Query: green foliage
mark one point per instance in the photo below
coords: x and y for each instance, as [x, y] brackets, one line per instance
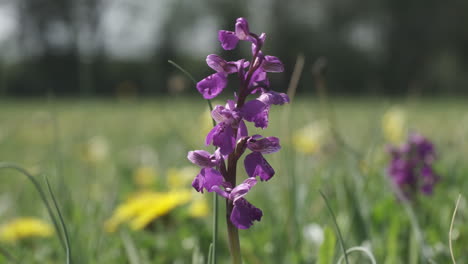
[327, 249]
[160, 132]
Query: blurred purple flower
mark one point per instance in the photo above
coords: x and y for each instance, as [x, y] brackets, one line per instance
[411, 166]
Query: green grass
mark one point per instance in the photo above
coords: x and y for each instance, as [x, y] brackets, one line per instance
[49, 137]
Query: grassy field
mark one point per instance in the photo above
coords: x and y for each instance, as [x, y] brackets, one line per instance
[93, 151]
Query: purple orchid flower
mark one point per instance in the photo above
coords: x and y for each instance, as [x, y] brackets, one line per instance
[204, 159]
[411, 166]
[257, 110]
[207, 179]
[230, 134]
[244, 213]
[213, 85]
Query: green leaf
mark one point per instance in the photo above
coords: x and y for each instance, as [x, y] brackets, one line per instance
[327, 249]
[392, 241]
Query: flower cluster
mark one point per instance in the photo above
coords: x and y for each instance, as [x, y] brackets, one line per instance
[230, 135]
[411, 165]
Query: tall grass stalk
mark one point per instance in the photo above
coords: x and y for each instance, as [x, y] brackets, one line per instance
[62, 222]
[338, 231]
[292, 182]
[451, 229]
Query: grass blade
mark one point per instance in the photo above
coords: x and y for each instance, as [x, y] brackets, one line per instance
[343, 247]
[8, 165]
[130, 248]
[62, 223]
[451, 228]
[210, 254]
[183, 71]
[364, 250]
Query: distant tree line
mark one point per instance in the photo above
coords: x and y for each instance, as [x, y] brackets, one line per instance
[390, 47]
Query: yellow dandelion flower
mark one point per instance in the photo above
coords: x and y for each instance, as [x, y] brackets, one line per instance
[310, 139]
[394, 125]
[145, 176]
[181, 178]
[143, 208]
[199, 207]
[26, 227]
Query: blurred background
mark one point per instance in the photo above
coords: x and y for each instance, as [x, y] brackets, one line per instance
[121, 47]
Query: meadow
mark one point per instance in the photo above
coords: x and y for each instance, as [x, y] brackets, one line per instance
[99, 153]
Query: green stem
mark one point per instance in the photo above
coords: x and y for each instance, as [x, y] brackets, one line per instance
[215, 228]
[233, 234]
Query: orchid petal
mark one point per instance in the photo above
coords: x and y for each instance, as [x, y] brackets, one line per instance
[228, 39]
[256, 165]
[213, 85]
[244, 213]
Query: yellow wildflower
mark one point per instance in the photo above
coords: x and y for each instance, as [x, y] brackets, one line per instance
[310, 139]
[26, 227]
[199, 207]
[143, 208]
[394, 125]
[145, 176]
[181, 178]
[95, 150]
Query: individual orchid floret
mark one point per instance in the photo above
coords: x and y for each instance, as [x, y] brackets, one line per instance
[272, 64]
[213, 85]
[243, 213]
[242, 29]
[204, 159]
[206, 179]
[256, 165]
[273, 98]
[258, 82]
[228, 39]
[265, 145]
[257, 110]
[222, 136]
[228, 114]
[220, 65]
